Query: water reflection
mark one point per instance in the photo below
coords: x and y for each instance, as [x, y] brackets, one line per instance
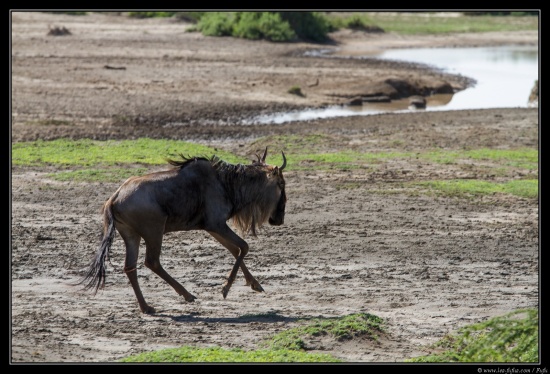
[505, 76]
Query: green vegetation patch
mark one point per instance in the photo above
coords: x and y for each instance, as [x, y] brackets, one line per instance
[98, 175]
[315, 26]
[340, 328]
[217, 354]
[509, 338]
[526, 158]
[262, 25]
[437, 23]
[309, 152]
[296, 90]
[344, 160]
[272, 26]
[527, 188]
[294, 144]
[87, 152]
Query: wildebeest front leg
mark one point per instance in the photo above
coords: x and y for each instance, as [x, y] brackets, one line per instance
[153, 243]
[238, 248]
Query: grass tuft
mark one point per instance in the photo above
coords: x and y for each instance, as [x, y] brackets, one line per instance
[341, 328]
[217, 354]
[509, 338]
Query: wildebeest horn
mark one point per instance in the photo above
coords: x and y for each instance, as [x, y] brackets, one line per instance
[265, 154]
[284, 161]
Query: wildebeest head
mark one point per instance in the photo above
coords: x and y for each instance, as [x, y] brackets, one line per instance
[277, 216]
[275, 190]
[256, 191]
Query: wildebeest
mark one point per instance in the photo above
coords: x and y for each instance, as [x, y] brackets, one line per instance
[197, 194]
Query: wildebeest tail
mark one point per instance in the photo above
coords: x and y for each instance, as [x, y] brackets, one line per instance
[95, 275]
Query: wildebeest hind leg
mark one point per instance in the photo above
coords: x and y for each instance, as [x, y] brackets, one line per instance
[233, 243]
[152, 261]
[131, 241]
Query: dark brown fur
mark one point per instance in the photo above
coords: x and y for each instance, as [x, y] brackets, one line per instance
[198, 194]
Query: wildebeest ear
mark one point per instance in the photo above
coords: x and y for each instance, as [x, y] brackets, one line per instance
[275, 170]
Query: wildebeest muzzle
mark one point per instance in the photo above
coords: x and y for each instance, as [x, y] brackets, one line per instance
[278, 216]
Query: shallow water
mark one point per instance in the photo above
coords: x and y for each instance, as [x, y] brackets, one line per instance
[505, 76]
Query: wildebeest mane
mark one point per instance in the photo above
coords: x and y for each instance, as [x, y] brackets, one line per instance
[244, 185]
[185, 160]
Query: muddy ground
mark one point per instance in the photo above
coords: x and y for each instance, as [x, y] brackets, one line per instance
[353, 241]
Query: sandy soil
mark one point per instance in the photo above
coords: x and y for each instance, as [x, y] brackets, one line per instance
[353, 241]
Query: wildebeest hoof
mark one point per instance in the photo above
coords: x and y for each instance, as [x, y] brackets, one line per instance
[225, 291]
[256, 287]
[148, 310]
[254, 284]
[190, 298]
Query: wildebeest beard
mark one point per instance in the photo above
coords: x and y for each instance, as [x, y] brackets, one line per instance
[245, 186]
